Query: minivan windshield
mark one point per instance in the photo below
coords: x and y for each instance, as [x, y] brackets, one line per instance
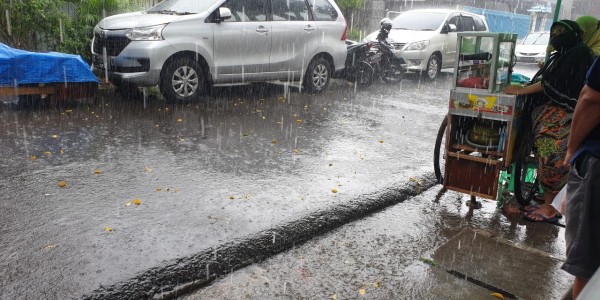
[424, 21]
[181, 7]
[538, 38]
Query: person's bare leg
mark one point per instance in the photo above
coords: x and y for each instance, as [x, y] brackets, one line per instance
[578, 285]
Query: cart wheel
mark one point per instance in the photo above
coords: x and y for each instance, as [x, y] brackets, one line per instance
[439, 161]
[526, 180]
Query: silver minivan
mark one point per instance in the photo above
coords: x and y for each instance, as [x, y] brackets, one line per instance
[425, 39]
[186, 46]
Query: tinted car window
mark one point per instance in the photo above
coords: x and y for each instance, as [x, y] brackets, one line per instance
[479, 24]
[426, 21]
[323, 10]
[246, 11]
[467, 23]
[285, 10]
[455, 20]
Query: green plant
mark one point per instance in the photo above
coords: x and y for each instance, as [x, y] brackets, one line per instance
[31, 24]
[56, 25]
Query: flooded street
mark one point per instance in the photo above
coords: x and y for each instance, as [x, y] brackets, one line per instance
[102, 198]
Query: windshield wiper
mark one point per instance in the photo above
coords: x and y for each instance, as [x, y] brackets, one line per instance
[170, 12]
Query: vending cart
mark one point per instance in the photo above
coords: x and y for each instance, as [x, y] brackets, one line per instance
[478, 137]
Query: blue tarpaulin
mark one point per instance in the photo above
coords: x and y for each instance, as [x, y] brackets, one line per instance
[500, 21]
[18, 67]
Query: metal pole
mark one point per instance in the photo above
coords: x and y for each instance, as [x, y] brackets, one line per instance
[557, 11]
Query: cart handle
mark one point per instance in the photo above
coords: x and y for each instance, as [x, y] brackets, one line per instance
[476, 56]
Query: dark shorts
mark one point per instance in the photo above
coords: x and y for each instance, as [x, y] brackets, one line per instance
[582, 231]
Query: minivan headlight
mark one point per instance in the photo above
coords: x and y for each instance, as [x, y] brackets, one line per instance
[150, 33]
[420, 45]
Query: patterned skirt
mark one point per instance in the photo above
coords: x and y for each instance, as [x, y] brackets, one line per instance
[551, 126]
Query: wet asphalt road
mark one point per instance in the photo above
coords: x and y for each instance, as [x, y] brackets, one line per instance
[239, 162]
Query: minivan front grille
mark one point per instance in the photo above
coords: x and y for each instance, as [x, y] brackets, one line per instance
[114, 44]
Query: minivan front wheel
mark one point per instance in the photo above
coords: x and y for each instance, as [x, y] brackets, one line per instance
[317, 75]
[182, 80]
[433, 67]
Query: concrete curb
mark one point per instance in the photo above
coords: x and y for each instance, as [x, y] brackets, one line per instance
[182, 275]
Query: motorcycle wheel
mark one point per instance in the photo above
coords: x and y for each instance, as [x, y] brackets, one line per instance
[392, 73]
[364, 74]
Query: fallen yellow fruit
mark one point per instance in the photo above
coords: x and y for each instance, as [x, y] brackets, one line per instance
[498, 295]
[362, 291]
[299, 121]
[98, 171]
[47, 152]
[62, 183]
[137, 201]
[231, 197]
[274, 141]
[33, 157]
[334, 191]
[108, 229]
[54, 136]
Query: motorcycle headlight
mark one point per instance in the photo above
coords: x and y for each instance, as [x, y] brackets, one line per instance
[420, 45]
[150, 33]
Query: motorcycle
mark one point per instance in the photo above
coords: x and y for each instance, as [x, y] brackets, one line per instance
[382, 57]
[358, 68]
[366, 60]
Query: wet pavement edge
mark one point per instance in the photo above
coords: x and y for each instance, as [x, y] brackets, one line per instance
[182, 275]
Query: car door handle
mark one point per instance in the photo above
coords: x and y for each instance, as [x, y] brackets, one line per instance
[262, 29]
[309, 28]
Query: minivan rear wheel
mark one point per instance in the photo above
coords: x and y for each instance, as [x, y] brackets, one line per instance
[434, 66]
[318, 75]
[182, 80]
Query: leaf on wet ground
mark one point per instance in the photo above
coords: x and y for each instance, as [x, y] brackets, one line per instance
[429, 261]
[148, 169]
[497, 295]
[381, 141]
[50, 246]
[273, 141]
[33, 157]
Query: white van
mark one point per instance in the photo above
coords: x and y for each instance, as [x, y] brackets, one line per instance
[425, 39]
[186, 46]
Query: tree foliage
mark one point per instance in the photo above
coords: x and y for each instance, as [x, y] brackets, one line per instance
[55, 25]
[349, 6]
[30, 24]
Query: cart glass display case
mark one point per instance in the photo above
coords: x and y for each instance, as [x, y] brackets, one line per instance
[482, 121]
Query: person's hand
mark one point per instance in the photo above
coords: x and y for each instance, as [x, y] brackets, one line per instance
[513, 89]
[568, 156]
[540, 64]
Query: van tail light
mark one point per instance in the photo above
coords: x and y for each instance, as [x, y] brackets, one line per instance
[345, 31]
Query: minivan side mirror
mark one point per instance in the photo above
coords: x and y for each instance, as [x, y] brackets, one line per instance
[451, 28]
[224, 14]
